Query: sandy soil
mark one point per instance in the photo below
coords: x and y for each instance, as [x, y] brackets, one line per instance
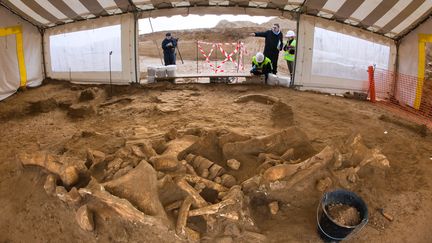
[28, 214]
[343, 214]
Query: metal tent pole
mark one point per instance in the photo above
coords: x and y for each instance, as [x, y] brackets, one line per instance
[110, 79]
[135, 47]
[296, 50]
[157, 47]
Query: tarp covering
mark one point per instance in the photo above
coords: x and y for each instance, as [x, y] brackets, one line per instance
[409, 49]
[345, 56]
[70, 53]
[80, 52]
[412, 63]
[20, 54]
[338, 62]
[392, 18]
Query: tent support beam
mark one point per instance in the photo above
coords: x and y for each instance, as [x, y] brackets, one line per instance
[42, 32]
[21, 17]
[135, 47]
[134, 7]
[292, 82]
[396, 68]
[400, 37]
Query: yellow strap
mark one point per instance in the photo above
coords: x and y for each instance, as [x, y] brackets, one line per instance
[21, 59]
[422, 39]
[17, 31]
[10, 30]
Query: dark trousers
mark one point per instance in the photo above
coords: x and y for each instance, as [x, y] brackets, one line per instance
[273, 56]
[169, 58]
[291, 69]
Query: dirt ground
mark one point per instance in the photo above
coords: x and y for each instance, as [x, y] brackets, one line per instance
[28, 214]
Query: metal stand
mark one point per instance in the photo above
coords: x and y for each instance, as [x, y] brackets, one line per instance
[110, 78]
[178, 50]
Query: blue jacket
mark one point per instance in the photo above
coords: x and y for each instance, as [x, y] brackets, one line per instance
[169, 49]
[271, 42]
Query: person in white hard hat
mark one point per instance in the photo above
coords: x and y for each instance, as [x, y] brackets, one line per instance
[261, 65]
[289, 49]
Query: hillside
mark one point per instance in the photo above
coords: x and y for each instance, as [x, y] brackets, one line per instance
[224, 30]
[235, 24]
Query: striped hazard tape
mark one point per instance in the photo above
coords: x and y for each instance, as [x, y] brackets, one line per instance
[239, 48]
[207, 57]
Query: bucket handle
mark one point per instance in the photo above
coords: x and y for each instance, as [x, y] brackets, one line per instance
[355, 231]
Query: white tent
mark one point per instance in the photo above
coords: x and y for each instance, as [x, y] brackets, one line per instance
[84, 40]
[20, 54]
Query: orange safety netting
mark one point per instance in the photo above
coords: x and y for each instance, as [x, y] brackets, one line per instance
[406, 95]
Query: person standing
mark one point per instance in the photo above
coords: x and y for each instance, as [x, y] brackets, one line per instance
[261, 65]
[289, 52]
[273, 44]
[169, 45]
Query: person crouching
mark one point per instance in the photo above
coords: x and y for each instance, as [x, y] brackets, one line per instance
[261, 65]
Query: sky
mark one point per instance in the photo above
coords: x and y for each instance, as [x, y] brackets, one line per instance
[178, 22]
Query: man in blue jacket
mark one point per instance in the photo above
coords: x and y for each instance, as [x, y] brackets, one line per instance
[273, 44]
[169, 45]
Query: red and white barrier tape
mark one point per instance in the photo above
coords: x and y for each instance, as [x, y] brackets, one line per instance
[228, 57]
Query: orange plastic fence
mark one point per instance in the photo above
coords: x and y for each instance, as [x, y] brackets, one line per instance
[372, 84]
[398, 92]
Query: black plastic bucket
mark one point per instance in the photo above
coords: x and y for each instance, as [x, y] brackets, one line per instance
[328, 229]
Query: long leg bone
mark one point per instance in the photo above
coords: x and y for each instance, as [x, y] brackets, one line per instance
[279, 172]
[317, 162]
[197, 200]
[68, 174]
[183, 215]
[212, 209]
[260, 98]
[122, 206]
[173, 205]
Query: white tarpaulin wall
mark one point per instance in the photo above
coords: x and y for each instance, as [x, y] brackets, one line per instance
[344, 56]
[79, 51]
[412, 65]
[334, 57]
[409, 49]
[69, 53]
[19, 66]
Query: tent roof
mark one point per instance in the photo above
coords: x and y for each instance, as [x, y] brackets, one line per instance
[392, 18]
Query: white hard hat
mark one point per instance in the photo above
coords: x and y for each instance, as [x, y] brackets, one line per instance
[290, 33]
[259, 57]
